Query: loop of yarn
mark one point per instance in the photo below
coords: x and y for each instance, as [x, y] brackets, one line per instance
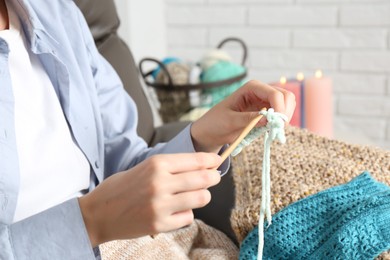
[274, 129]
[275, 126]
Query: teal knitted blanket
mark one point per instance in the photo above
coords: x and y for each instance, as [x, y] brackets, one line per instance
[350, 221]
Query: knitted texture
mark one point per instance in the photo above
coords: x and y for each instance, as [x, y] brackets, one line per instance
[304, 165]
[275, 128]
[197, 241]
[350, 221]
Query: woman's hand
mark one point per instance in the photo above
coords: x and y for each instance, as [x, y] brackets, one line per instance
[155, 196]
[225, 121]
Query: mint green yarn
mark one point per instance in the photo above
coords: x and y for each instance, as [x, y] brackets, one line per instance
[274, 129]
[221, 70]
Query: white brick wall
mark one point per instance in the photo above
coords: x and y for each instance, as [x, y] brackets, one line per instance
[341, 38]
[365, 14]
[254, 37]
[348, 39]
[388, 130]
[293, 15]
[364, 106]
[366, 61]
[286, 59]
[388, 85]
[361, 130]
[347, 84]
[206, 15]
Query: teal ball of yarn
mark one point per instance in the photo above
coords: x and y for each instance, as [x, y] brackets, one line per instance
[221, 70]
[213, 57]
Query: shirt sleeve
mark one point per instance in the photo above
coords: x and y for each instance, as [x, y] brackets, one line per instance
[123, 148]
[57, 233]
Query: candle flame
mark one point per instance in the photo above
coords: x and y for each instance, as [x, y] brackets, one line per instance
[318, 74]
[283, 80]
[300, 76]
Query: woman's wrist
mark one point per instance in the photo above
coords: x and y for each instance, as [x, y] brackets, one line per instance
[88, 221]
[201, 141]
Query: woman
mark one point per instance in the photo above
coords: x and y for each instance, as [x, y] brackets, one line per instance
[67, 125]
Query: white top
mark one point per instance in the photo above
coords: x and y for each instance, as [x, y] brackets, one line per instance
[52, 168]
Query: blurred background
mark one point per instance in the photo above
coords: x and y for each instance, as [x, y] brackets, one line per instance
[348, 40]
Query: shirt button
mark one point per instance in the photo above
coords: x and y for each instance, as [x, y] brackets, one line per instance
[97, 164]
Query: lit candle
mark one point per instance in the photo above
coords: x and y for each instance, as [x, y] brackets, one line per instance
[318, 105]
[294, 87]
[300, 77]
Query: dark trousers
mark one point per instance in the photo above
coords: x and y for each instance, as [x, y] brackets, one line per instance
[217, 212]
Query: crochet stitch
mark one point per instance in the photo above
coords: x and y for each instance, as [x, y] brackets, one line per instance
[349, 221]
[273, 130]
[275, 126]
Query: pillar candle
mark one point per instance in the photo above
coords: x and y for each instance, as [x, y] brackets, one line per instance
[293, 86]
[319, 105]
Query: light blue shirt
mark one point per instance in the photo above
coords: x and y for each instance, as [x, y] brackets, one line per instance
[101, 116]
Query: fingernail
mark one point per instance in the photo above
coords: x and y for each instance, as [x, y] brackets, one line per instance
[219, 172]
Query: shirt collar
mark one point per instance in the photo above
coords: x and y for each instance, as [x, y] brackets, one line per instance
[40, 40]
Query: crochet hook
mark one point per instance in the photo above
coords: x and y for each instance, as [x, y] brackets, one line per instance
[244, 133]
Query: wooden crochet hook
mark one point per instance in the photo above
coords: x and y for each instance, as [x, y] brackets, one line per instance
[244, 133]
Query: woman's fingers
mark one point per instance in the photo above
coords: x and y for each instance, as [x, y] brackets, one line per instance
[177, 163]
[181, 219]
[190, 200]
[280, 99]
[257, 95]
[194, 180]
[289, 101]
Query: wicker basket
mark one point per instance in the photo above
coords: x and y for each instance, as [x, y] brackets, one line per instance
[175, 98]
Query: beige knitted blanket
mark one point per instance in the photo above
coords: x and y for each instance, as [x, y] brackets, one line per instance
[197, 241]
[305, 165]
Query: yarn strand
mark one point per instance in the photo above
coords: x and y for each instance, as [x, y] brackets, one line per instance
[273, 130]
